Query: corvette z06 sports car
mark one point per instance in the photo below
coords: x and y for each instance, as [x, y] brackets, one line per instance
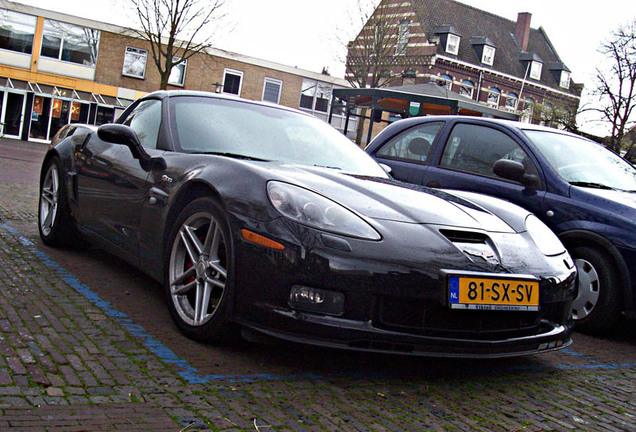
[265, 219]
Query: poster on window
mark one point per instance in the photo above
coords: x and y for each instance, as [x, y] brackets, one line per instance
[37, 104]
[135, 62]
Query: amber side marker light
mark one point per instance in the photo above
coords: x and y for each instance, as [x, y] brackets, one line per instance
[260, 240]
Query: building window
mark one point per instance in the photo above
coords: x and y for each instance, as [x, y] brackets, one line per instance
[467, 88]
[315, 95]
[511, 101]
[135, 62]
[403, 37]
[307, 94]
[271, 90]
[528, 110]
[565, 79]
[178, 72]
[445, 81]
[452, 44]
[493, 96]
[16, 31]
[535, 70]
[232, 81]
[488, 55]
[71, 43]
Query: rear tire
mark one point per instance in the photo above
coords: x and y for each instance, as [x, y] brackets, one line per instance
[200, 272]
[55, 222]
[597, 306]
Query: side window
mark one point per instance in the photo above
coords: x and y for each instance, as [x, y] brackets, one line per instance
[145, 120]
[475, 149]
[413, 144]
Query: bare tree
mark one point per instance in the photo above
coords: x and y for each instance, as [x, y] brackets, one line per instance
[617, 87]
[379, 46]
[176, 30]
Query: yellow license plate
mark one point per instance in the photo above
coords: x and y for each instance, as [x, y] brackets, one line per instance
[477, 292]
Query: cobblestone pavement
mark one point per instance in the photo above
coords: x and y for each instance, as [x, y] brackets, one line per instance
[70, 361]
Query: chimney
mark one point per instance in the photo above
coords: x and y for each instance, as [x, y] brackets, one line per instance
[522, 30]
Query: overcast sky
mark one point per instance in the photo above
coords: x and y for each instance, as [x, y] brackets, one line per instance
[309, 33]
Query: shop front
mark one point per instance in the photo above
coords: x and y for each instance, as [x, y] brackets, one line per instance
[36, 112]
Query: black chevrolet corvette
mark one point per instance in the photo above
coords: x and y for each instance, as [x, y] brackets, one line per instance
[262, 218]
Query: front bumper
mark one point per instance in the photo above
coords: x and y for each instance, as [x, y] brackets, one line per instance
[394, 296]
[331, 332]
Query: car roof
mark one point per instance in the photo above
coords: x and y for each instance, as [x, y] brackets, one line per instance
[508, 123]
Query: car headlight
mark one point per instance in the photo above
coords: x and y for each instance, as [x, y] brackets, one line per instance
[311, 209]
[547, 242]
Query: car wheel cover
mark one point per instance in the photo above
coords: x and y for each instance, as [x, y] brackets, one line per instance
[198, 269]
[49, 195]
[589, 289]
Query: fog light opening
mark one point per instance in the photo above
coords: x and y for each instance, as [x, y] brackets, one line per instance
[308, 299]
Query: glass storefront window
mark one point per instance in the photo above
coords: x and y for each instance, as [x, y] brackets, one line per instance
[16, 31]
[40, 118]
[104, 115]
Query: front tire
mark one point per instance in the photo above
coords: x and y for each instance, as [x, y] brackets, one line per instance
[55, 222]
[597, 306]
[200, 271]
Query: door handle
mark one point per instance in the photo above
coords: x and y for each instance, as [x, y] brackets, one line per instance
[433, 184]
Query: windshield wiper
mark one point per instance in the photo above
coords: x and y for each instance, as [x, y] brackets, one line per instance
[590, 185]
[234, 155]
[327, 166]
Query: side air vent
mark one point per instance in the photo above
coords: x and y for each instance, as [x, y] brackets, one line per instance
[464, 236]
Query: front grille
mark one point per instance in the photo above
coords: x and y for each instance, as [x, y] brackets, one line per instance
[431, 318]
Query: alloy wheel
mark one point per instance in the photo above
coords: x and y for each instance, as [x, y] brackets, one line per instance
[198, 269]
[49, 196]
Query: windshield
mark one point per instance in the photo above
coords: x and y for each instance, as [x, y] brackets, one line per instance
[247, 130]
[582, 162]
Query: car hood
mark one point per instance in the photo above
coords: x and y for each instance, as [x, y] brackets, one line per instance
[620, 199]
[385, 199]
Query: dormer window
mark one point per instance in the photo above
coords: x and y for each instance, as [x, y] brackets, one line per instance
[561, 74]
[533, 65]
[488, 56]
[449, 38]
[565, 79]
[452, 44]
[485, 50]
[535, 70]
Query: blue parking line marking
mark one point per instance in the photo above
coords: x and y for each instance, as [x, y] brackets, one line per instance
[193, 375]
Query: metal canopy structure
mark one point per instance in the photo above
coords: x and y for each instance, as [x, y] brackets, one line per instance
[409, 101]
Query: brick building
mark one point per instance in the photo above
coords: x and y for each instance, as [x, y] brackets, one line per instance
[502, 64]
[57, 69]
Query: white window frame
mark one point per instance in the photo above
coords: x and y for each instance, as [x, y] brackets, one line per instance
[512, 101]
[492, 94]
[564, 82]
[488, 55]
[535, 70]
[445, 81]
[452, 44]
[272, 81]
[469, 88]
[183, 65]
[130, 55]
[233, 72]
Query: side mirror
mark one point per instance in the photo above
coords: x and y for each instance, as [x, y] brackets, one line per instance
[515, 171]
[121, 134]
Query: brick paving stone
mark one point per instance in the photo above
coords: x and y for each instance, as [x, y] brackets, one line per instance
[67, 365]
